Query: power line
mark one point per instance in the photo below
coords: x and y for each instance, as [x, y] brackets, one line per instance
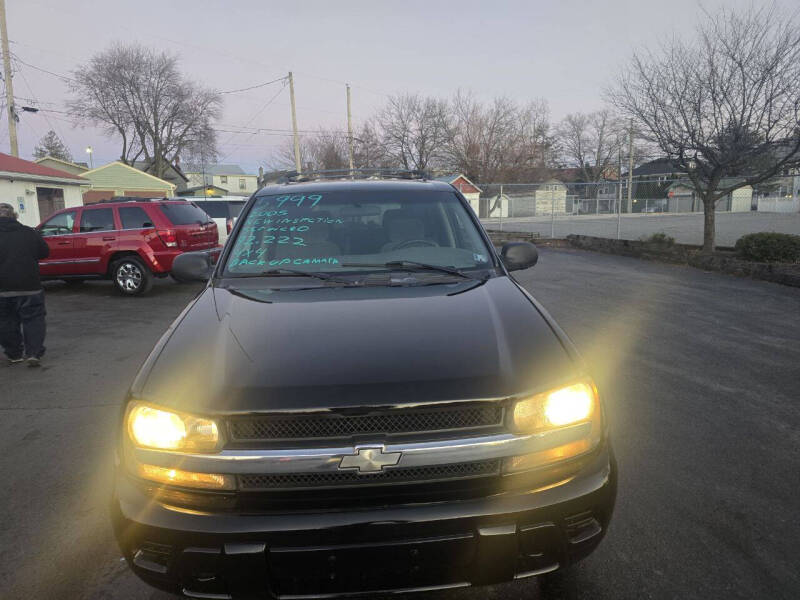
[254, 117]
[30, 89]
[253, 87]
[64, 77]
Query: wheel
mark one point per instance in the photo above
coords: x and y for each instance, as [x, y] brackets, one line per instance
[131, 277]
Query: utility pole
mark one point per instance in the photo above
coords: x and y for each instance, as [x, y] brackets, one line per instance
[619, 189]
[630, 167]
[350, 130]
[298, 167]
[12, 117]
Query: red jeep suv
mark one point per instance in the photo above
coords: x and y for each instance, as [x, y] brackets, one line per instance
[129, 241]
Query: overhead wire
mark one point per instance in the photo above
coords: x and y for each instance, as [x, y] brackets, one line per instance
[254, 117]
[30, 89]
[254, 87]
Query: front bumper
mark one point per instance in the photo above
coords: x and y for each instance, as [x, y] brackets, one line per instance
[327, 553]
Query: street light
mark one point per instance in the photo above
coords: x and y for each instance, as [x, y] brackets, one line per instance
[89, 152]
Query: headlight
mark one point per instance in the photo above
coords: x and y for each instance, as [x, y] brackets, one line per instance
[151, 427]
[560, 407]
[574, 404]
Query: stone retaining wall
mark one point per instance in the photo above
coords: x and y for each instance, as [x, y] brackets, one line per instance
[724, 260]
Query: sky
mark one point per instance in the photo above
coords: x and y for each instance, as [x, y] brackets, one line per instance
[564, 51]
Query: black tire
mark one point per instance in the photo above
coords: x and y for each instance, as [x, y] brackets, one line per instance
[131, 277]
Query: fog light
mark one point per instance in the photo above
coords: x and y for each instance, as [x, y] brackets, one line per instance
[208, 481]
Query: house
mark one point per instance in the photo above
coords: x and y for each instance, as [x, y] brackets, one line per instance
[76, 168]
[36, 191]
[119, 179]
[469, 190]
[172, 173]
[661, 185]
[228, 177]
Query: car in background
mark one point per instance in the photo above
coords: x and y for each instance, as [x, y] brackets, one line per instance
[224, 210]
[128, 240]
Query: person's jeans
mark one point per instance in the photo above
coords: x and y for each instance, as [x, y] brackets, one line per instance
[22, 326]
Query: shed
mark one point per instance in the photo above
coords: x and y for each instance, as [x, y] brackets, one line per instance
[119, 179]
[469, 190]
[36, 191]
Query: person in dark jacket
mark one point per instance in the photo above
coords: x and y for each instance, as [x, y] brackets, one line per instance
[22, 312]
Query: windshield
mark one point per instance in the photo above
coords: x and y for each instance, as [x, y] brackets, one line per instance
[343, 230]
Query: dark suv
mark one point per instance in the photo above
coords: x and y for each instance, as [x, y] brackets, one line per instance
[361, 400]
[129, 241]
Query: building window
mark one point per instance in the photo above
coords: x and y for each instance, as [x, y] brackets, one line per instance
[242, 184]
[223, 179]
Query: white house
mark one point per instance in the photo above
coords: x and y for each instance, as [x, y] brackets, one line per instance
[230, 178]
[37, 191]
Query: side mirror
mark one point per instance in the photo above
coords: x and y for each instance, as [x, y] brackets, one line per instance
[192, 266]
[519, 255]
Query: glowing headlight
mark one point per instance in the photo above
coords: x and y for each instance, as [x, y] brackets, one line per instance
[151, 427]
[563, 406]
[574, 404]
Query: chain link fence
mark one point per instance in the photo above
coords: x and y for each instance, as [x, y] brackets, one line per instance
[554, 208]
[547, 198]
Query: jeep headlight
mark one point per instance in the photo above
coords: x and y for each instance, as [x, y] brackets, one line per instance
[162, 429]
[574, 408]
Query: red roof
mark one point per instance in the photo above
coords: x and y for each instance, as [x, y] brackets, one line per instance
[12, 164]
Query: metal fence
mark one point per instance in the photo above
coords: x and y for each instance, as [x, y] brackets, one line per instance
[611, 209]
[557, 198]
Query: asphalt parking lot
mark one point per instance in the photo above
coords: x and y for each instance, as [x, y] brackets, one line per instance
[700, 373]
[685, 228]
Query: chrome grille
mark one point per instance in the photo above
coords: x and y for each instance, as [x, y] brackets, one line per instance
[294, 481]
[420, 420]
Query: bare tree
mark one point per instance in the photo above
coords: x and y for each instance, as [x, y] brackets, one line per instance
[324, 150]
[370, 151]
[725, 106]
[592, 142]
[413, 130]
[140, 95]
[327, 150]
[51, 145]
[500, 141]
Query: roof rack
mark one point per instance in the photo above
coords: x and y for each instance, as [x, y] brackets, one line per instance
[119, 199]
[410, 174]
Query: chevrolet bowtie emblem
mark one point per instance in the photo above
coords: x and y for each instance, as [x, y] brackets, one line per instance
[370, 459]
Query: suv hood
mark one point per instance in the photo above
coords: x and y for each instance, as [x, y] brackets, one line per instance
[347, 347]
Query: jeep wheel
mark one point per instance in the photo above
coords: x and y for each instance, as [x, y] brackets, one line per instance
[131, 277]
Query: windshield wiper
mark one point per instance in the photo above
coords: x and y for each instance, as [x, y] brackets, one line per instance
[418, 266]
[314, 274]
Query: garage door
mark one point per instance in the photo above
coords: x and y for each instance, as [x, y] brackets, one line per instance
[93, 196]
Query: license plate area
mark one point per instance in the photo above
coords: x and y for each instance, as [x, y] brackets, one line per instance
[409, 564]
